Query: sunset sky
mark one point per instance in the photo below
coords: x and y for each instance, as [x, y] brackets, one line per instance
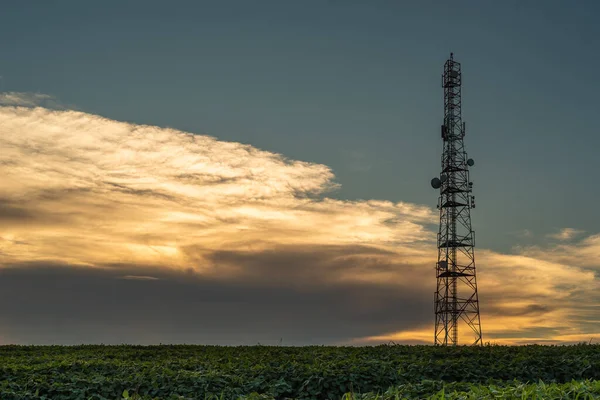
[243, 172]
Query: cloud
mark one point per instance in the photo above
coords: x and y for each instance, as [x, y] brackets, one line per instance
[31, 100]
[584, 254]
[140, 277]
[177, 237]
[355, 161]
[525, 299]
[524, 234]
[566, 234]
[194, 308]
[113, 191]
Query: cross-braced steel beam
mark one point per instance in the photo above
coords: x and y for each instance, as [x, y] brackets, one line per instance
[456, 296]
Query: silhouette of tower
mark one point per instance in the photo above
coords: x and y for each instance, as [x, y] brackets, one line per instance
[456, 300]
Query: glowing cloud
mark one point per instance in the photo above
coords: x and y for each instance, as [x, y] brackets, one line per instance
[89, 192]
[566, 234]
[95, 191]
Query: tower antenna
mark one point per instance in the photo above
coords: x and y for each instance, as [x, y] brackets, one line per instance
[456, 299]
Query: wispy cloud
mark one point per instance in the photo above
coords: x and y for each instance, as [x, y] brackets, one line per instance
[140, 277]
[32, 100]
[566, 234]
[524, 233]
[356, 161]
[151, 203]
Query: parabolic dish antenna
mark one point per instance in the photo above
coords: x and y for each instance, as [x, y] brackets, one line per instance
[470, 162]
[436, 183]
[444, 178]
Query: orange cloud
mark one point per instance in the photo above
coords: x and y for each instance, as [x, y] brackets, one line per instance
[96, 191]
[566, 234]
[88, 191]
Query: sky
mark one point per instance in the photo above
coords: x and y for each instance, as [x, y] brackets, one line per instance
[233, 172]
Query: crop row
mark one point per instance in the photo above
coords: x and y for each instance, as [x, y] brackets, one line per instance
[584, 390]
[106, 372]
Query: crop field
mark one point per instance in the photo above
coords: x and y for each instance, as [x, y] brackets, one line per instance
[266, 372]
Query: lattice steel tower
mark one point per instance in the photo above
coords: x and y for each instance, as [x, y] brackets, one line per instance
[456, 297]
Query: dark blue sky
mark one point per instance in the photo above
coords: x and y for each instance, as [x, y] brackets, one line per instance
[351, 84]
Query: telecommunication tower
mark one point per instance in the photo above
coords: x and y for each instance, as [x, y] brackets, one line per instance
[456, 300]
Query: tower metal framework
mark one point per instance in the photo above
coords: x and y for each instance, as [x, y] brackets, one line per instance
[456, 296]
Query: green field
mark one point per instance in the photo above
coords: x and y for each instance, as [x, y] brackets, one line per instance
[265, 372]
